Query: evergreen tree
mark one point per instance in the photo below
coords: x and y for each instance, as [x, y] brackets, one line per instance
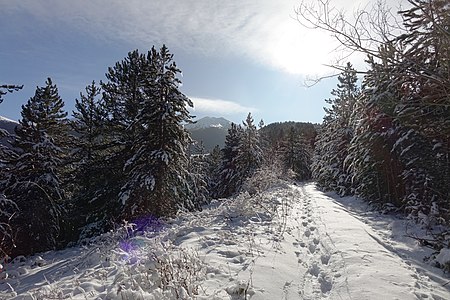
[92, 202]
[422, 112]
[34, 183]
[400, 154]
[123, 96]
[8, 208]
[329, 167]
[296, 155]
[213, 163]
[157, 170]
[249, 153]
[375, 169]
[229, 182]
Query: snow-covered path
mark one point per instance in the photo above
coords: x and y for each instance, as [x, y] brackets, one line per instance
[359, 262]
[292, 242]
[320, 249]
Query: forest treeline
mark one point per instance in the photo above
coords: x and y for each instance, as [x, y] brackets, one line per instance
[123, 155]
[388, 141]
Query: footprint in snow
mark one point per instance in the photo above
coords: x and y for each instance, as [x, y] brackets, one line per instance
[325, 259]
[314, 270]
[326, 284]
[228, 253]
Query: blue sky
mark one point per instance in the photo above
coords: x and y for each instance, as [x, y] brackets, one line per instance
[236, 56]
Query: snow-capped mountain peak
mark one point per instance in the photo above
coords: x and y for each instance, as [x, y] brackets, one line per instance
[8, 124]
[208, 122]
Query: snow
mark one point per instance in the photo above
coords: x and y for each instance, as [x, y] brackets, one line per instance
[290, 242]
[444, 258]
[7, 120]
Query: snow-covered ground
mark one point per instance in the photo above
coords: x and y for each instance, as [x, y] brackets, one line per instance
[291, 242]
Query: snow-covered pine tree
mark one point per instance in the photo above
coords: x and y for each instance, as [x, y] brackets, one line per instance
[249, 153]
[229, 180]
[400, 152]
[7, 207]
[213, 163]
[296, 154]
[374, 167]
[423, 111]
[93, 204]
[335, 135]
[34, 183]
[157, 170]
[122, 98]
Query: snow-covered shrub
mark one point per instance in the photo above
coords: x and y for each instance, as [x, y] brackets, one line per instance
[264, 178]
[7, 207]
[443, 259]
[180, 271]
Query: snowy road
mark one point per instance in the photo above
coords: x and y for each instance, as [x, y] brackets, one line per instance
[347, 259]
[320, 249]
[292, 242]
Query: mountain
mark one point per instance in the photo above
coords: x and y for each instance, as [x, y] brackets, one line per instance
[210, 122]
[210, 131]
[8, 124]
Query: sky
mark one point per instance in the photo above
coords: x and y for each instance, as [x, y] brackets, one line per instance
[236, 56]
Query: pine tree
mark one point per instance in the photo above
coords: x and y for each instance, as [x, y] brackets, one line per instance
[157, 170]
[93, 200]
[8, 207]
[249, 157]
[213, 164]
[229, 182]
[329, 167]
[423, 110]
[400, 153]
[34, 183]
[375, 169]
[296, 155]
[123, 96]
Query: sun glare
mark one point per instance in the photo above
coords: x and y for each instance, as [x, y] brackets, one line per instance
[299, 51]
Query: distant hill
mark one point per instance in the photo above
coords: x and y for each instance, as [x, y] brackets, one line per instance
[210, 131]
[275, 132]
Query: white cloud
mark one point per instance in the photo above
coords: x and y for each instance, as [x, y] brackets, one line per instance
[219, 107]
[261, 30]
